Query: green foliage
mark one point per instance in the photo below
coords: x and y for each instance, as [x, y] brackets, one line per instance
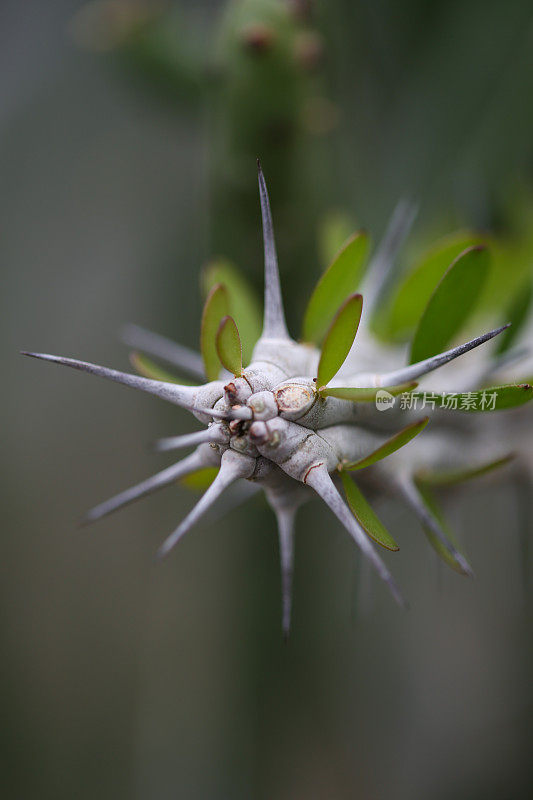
[451, 303]
[215, 309]
[200, 480]
[339, 339]
[451, 477]
[366, 395]
[228, 344]
[408, 302]
[397, 441]
[517, 313]
[334, 231]
[244, 305]
[149, 369]
[339, 280]
[433, 507]
[365, 514]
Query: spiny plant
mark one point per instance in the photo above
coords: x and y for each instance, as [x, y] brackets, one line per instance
[306, 417]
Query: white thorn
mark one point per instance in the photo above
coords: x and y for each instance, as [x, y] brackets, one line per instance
[285, 517]
[173, 392]
[410, 494]
[383, 261]
[319, 479]
[213, 435]
[159, 346]
[414, 371]
[232, 467]
[274, 326]
[202, 457]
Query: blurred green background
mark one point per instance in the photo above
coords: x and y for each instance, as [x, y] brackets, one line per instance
[126, 680]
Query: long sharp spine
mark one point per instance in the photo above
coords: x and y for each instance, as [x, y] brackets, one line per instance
[410, 494]
[173, 392]
[233, 466]
[414, 371]
[274, 325]
[159, 346]
[319, 479]
[285, 517]
[202, 457]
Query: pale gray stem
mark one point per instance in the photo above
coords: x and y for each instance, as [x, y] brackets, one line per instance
[202, 457]
[382, 263]
[179, 395]
[409, 492]
[319, 479]
[414, 371]
[233, 466]
[274, 326]
[213, 434]
[165, 349]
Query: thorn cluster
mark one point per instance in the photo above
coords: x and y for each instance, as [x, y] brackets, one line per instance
[296, 421]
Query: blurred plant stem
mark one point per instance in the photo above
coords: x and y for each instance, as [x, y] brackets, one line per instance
[256, 81]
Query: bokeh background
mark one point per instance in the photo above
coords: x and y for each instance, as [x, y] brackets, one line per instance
[120, 177]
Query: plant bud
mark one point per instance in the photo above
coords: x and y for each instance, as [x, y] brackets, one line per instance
[237, 391]
[263, 405]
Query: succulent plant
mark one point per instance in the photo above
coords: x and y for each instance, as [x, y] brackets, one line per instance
[332, 414]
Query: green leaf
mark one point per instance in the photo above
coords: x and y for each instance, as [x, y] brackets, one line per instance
[409, 301]
[200, 480]
[333, 231]
[243, 303]
[228, 343]
[365, 515]
[215, 309]
[338, 281]
[517, 314]
[451, 303]
[450, 477]
[431, 503]
[339, 339]
[149, 369]
[400, 439]
[366, 395]
[493, 398]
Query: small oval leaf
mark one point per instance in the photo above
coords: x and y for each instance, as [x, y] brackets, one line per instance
[215, 309]
[243, 303]
[400, 439]
[517, 314]
[334, 230]
[339, 280]
[149, 369]
[451, 477]
[451, 303]
[365, 515]
[366, 395]
[401, 315]
[339, 339]
[228, 343]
